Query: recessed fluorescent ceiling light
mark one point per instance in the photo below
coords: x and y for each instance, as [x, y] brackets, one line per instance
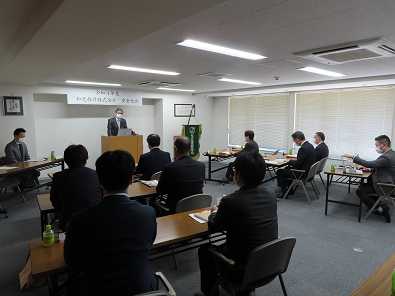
[220, 49]
[143, 70]
[238, 81]
[177, 89]
[93, 83]
[320, 71]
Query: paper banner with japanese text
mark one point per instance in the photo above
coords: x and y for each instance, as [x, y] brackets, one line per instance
[103, 96]
[194, 133]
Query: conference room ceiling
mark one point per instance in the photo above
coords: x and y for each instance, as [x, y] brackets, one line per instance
[51, 41]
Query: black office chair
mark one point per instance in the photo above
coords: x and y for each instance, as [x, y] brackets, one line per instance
[170, 291]
[264, 264]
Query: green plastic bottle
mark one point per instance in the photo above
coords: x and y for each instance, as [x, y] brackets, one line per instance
[290, 151]
[242, 146]
[215, 150]
[48, 236]
[333, 168]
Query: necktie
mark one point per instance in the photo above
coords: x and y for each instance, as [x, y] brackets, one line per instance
[119, 124]
[21, 150]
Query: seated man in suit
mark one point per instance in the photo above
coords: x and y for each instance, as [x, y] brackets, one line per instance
[322, 150]
[249, 217]
[153, 161]
[16, 151]
[111, 241]
[116, 123]
[183, 177]
[76, 188]
[250, 146]
[383, 169]
[305, 159]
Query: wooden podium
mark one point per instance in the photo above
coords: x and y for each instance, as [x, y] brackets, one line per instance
[132, 144]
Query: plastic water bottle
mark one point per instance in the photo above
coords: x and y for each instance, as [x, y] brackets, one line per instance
[215, 150]
[290, 151]
[294, 150]
[52, 155]
[48, 236]
[333, 168]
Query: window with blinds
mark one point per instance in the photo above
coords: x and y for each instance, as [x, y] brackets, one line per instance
[350, 119]
[266, 115]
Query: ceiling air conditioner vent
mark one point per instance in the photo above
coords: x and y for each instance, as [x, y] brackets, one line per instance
[156, 83]
[363, 50]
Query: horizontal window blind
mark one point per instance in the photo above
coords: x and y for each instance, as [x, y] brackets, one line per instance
[350, 119]
[266, 115]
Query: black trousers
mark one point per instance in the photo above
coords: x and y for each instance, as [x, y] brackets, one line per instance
[283, 174]
[230, 173]
[363, 193]
[209, 271]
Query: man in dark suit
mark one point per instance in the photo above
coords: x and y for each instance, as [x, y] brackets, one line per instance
[383, 169]
[16, 151]
[249, 217]
[250, 146]
[76, 188]
[111, 241]
[116, 123]
[322, 150]
[183, 177]
[153, 161]
[305, 159]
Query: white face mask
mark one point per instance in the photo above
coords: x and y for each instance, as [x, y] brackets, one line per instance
[378, 150]
[21, 140]
[119, 116]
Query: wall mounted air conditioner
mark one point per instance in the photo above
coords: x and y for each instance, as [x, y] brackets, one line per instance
[363, 50]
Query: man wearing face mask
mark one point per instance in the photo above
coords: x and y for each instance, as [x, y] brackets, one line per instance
[305, 159]
[16, 151]
[249, 217]
[383, 169]
[115, 123]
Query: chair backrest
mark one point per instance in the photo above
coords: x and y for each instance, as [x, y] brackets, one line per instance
[313, 170]
[3, 160]
[267, 260]
[322, 165]
[156, 176]
[194, 202]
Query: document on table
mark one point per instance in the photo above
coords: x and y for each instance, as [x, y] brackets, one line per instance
[201, 217]
[35, 159]
[8, 168]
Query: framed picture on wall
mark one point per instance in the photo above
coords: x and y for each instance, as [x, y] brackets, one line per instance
[12, 105]
[184, 110]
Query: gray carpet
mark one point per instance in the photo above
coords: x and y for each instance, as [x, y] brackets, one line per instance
[323, 262]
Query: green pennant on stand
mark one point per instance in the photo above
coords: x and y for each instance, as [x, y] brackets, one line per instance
[193, 132]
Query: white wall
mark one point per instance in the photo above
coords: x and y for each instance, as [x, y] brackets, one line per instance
[9, 123]
[220, 123]
[172, 126]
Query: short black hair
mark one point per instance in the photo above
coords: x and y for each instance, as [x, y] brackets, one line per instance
[75, 156]
[153, 140]
[249, 134]
[321, 135]
[115, 169]
[252, 168]
[18, 131]
[183, 144]
[298, 135]
[383, 139]
[118, 109]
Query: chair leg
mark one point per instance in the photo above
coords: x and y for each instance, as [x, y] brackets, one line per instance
[20, 193]
[289, 189]
[322, 180]
[374, 206]
[304, 188]
[36, 184]
[316, 188]
[282, 285]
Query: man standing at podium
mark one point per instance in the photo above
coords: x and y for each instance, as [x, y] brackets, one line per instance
[116, 122]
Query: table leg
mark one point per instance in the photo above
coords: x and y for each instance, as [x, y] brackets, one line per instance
[209, 167]
[53, 285]
[360, 204]
[327, 192]
[349, 184]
